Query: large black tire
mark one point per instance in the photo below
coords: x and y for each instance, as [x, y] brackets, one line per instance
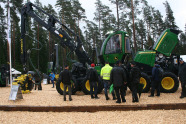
[60, 87]
[145, 80]
[100, 86]
[85, 86]
[169, 83]
[2, 84]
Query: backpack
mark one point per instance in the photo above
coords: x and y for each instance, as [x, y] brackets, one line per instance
[160, 70]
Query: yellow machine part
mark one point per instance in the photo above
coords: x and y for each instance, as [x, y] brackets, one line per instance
[143, 81]
[21, 80]
[57, 76]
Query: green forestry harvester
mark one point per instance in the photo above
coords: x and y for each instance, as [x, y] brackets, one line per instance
[117, 47]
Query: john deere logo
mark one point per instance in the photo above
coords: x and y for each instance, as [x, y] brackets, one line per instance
[115, 58]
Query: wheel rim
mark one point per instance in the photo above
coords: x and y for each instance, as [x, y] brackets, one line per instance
[62, 87]
[143, 81]
[87, 85]
[167, 83]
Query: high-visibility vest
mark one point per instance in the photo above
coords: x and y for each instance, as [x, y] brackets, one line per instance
[105, 72]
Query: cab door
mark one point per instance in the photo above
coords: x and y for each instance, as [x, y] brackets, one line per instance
[113, 49]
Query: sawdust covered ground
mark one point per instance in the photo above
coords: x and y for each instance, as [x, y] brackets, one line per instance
[50, 97]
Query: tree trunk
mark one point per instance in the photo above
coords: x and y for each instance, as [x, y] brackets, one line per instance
[134, 37]
[38, 46]
[117, 13]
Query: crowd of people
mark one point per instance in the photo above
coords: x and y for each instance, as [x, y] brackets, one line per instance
[118, 77]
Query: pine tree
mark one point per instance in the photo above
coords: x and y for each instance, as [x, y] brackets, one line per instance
[51, 38]
[141, 33]
[104, 17]
[16, 33]
[3, 41]
[169, 19]
[39, 58]
[92, 37]
[98, 16]
[159, 25]
[78, 13]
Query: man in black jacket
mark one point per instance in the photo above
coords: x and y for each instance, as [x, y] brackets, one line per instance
[182, 77]
[156, 80]
[118, 79]
[93, 79]
[66, 78]
[135, 75]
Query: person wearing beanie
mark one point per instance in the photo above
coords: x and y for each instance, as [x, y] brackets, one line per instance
[93, 65]
[92, 76]
[66, 77]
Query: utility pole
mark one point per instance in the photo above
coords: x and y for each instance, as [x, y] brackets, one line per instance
[134, 36]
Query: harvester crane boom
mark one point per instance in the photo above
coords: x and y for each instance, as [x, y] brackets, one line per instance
[65, 39]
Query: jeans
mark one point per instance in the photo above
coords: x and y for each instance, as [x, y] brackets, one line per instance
[93, 84]
[106, 87]
[52, 82]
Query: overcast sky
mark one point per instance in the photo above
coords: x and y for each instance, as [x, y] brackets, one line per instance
[178, 7]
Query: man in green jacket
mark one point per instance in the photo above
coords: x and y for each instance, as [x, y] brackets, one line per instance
[105, 74]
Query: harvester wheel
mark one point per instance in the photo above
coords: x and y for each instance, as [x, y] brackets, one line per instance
[100, 86]
[86, 86]
[60, 87]
[169, 83]
[145, 80]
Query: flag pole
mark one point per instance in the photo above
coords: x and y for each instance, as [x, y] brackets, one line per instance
[9, 40]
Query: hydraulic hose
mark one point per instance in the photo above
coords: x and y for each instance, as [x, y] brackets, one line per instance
[29, 52]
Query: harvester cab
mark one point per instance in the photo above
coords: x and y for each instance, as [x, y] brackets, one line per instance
[115, 47]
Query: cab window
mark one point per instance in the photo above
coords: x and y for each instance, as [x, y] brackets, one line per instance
[114, 45]
[127, 45]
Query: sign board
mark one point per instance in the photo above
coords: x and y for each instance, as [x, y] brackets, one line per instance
[44, 81]
[15, 93]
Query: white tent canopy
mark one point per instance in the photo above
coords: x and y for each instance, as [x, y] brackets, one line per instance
[183, 57]
[15, 71]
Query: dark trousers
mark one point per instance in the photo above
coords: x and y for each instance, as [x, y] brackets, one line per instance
[93, 84]
[183, 86]
[52, 82]
[120, 92]
[134, 92]
[155, 86]
[69, 91]
[38, 84]
[106, 87]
